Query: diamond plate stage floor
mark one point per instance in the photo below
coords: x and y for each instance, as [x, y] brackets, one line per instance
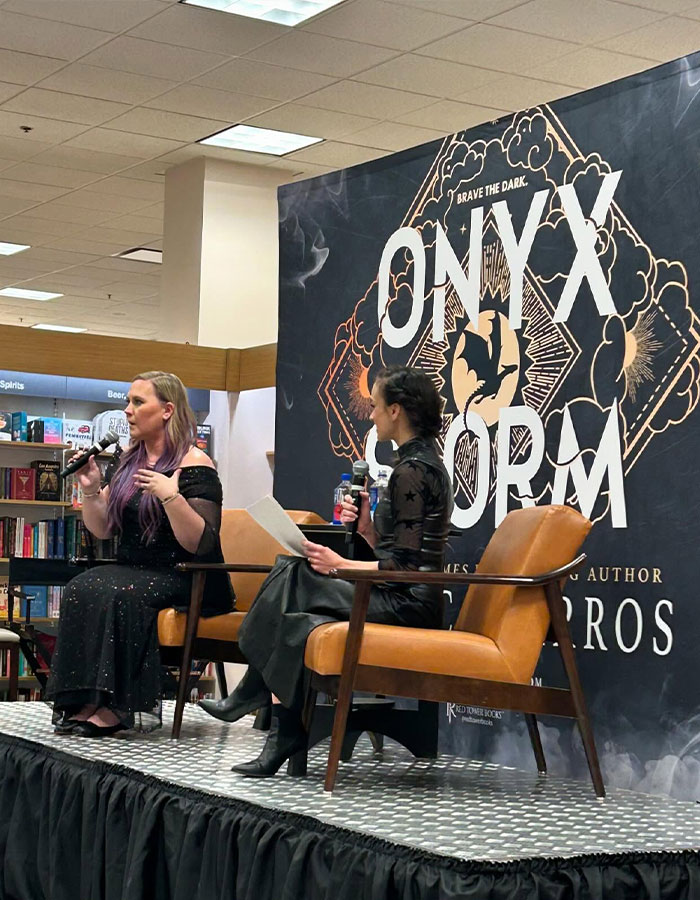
[467, 816]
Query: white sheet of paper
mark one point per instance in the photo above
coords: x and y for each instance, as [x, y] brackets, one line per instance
[268, 513]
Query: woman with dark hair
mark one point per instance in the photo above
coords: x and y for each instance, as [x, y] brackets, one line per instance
[164, 503]
[409, 532]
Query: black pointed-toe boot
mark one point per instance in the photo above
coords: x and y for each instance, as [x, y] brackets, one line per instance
[250, 694]
[285, 738]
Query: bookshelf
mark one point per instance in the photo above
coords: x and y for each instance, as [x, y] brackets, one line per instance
[31, 445]
[56, 503]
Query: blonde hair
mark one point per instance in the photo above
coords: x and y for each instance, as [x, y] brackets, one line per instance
[181, 427]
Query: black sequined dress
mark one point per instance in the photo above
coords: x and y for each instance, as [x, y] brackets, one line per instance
[107, 647]
[411, 523]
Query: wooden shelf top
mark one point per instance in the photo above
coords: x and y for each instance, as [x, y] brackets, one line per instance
[33, 445]
[61, 503]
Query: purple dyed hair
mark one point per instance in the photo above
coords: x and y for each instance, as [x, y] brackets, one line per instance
[180, 434]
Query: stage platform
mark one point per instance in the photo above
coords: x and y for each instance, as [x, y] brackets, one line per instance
[142, 816]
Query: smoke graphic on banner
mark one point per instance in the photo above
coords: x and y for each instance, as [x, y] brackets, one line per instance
[530, 277]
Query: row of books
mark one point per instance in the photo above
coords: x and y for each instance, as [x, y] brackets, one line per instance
[23, 669]
[18, 426]
[38, 481]
[48, 539]
[44, 601]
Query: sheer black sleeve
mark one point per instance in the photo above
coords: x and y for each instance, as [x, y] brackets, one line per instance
[408, 492]
[200, 486]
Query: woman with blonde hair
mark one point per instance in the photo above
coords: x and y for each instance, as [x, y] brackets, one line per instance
[164, 504]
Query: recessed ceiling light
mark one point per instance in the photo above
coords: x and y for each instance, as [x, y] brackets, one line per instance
[142, 254]
[25, 294]
[69, 328]
[259, 140]
[7, 249]
[284, 12]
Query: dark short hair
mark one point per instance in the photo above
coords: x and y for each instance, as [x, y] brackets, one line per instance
[415, 391]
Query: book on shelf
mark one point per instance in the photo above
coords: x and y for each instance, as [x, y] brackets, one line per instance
[77, 433]
[5, 425]
[47, 479]
[204, 439]
[22, 483]
[35, 431]
[19, 426]
[47, 539]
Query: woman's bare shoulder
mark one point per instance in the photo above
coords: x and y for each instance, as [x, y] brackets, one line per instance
[196, 457]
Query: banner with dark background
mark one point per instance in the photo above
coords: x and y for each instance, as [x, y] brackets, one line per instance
[542, 268]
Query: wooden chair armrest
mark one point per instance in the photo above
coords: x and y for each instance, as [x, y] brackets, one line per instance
[220, 567]
[377, 576]
[85, 561]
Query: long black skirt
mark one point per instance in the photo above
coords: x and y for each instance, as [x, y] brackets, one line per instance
[292, 601]
[107, 648]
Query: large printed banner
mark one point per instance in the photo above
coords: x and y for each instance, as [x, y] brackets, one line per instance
[543, 270]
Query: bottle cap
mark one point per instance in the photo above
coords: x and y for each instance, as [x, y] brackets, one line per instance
[346, 477]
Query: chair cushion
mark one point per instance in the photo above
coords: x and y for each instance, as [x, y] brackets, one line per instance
[171, 627]
[8, 637]
[414, 649]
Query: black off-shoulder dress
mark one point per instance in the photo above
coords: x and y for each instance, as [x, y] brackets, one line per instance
[107, 648]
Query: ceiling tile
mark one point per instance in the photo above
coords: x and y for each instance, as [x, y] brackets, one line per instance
[157, 211]
[66, 107]
[159, 123]
[121, 142]
[516, 92]
[105, 235]
[88, 246]
[107, 16]
[392, 136]
[60, 177]
[114, 201]
[263, 80]
[664, 40]
[127, 54]
[424, 75]
[62, 212]
[591, 66]
[496, 48]
[129, 187]
[667, 6]
[378, 23]
[11, 205]
[26, 68]
[466, 9]
[367, 99]
[42, 226]
[56, 258]
[55, 39]
[692, 12]
[337, 155]
[195, 151]
[318, 53]
[313, 122]
[46, 130]
[85, 160]
[206, 29]
[9, 90]
[153, 170]
[137, 223]
[29, 190]
[106, 84]
[20, 147]
[203, 101]
[593, 21]
[448, 116]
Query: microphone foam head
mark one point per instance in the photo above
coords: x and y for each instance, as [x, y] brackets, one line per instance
[360, 468]
[111, 437]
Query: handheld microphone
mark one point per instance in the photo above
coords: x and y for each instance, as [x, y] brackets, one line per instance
[110, 438]
[360, 470]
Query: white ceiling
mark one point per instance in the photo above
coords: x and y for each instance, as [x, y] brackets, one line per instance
[117, 91]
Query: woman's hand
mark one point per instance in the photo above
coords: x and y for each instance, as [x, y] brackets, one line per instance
[322, 559]
[348, 512]
[89, 476]
[157, 483]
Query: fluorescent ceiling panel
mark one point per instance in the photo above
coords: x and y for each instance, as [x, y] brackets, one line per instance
[260, 140]
[69, 328]
[8, 249]
[25, 294]
[142, 254]
[284, 12]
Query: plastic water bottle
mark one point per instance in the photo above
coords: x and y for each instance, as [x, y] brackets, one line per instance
[339, 495]
[378, 489]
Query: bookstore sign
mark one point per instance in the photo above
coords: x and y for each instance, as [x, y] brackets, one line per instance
[31, 384]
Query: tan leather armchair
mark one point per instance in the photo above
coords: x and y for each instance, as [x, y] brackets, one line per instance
[513, 604]
[249, 553]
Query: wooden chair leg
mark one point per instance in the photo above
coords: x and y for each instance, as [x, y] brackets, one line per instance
[13, 686]
[186, 661]
[536, 741]
[221, 678]
[563, 636]
[347, 678]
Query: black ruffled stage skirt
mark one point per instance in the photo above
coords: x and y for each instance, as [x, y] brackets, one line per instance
[293, 600]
